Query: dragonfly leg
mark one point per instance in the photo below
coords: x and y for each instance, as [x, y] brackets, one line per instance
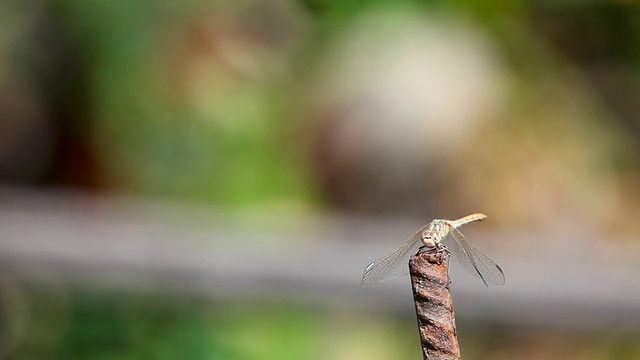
[448, 262]
[442, 253]
[444, 250]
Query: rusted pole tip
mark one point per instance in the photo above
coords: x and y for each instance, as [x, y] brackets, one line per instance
[434, 305]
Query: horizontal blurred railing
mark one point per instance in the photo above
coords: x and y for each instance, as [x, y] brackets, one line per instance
[561, 280]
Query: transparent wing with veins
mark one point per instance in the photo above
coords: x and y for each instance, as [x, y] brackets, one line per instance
[475, 261]
[395, 264]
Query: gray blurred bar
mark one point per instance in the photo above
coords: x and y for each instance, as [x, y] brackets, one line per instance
[132, 245]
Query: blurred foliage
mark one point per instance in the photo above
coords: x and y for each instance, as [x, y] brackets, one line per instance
[217, 101]
[108, 325]
[158, 128]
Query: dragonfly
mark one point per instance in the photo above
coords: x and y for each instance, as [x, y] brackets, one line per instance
[430, 237]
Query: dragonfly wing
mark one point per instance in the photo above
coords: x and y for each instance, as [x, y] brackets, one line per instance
[395, 264]
[475, 261]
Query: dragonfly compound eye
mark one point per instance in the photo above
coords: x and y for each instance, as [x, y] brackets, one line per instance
[428, 239]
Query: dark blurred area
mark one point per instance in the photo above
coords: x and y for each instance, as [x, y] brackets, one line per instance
[208, 179]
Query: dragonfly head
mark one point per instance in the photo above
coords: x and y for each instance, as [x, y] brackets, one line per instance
[430, 238]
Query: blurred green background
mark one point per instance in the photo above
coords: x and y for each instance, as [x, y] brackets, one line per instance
[285, 109]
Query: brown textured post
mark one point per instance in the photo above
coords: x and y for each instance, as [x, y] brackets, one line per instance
[434, 306]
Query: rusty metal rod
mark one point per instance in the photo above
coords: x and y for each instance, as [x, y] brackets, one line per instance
[434, 306]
